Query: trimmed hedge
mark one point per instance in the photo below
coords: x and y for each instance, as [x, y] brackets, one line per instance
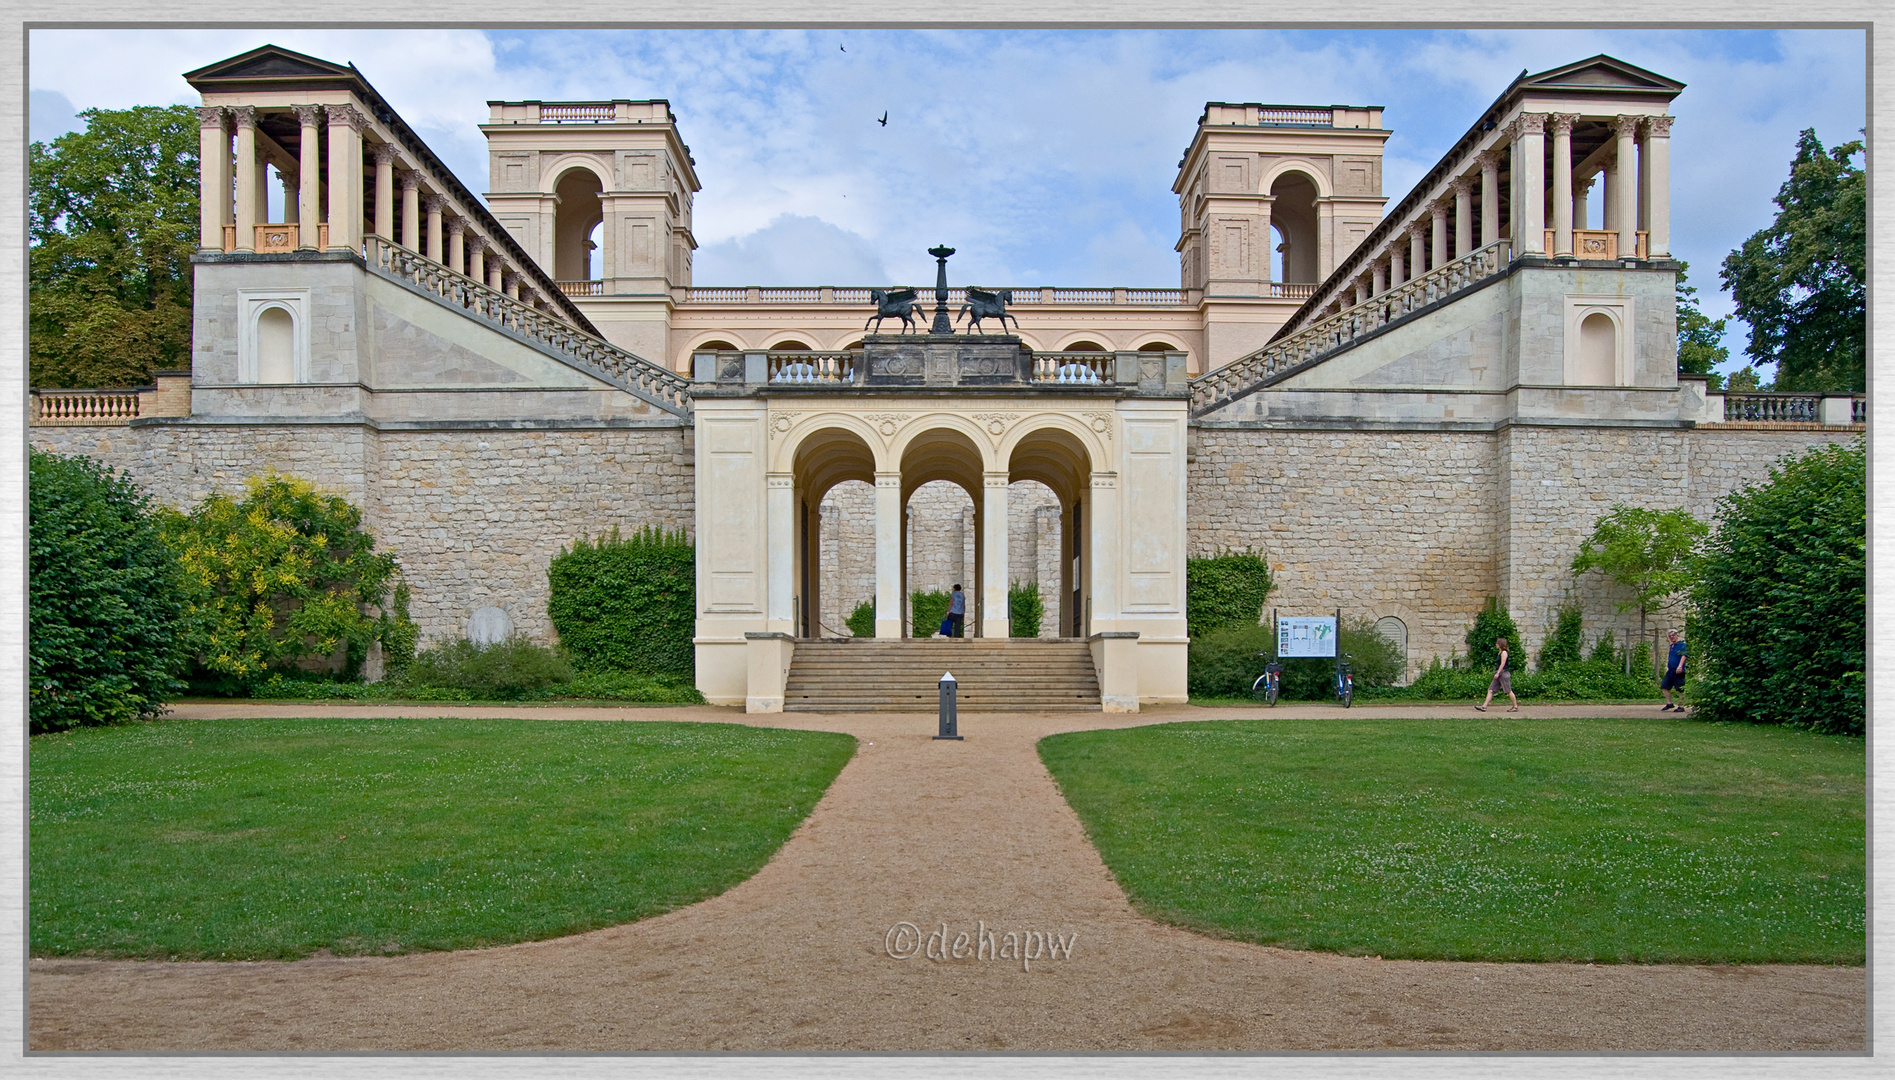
[1025, 609]
[861, 621]
[628, 603]
[927, 609]
[1229, 587]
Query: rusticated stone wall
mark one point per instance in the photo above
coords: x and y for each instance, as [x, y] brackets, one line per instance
[473, 516]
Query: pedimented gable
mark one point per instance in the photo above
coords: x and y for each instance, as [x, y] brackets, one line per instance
[1601, 73]
[270, 62]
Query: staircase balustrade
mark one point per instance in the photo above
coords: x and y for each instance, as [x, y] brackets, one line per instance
[1343, 328]
[1782, 408]
[616, 365]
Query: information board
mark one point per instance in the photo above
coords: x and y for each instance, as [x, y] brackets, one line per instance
[1305, 635]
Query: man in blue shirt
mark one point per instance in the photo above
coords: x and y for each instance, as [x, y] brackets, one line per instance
[957, 612]
[1674, 673]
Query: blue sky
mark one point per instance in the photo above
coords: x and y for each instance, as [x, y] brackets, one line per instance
[1044, 157]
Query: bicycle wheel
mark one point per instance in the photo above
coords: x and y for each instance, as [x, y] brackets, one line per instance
[1270, 694]
[1348, 693]
[1261, 690]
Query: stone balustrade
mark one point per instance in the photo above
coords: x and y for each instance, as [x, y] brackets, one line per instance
[802, 366]
[600, 357]
[169, 395]
[1323, 337]
[858, 297]
[1767, 407]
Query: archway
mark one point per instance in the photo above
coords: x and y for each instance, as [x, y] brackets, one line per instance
[936, 456]
[824, 460]
[578, 212]
[1056, 459]
[1293, 215]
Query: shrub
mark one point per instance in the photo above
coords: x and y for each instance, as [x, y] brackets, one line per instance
[1025, 609]
[628, 603]
[861, 621]
[1229, 587]
[1224, 662]
[927, 609]
[504, 671]
[285, 577]
[1581, 682]
[106, 599]
[1563, 642]
[1493, 622]
[1780, 629]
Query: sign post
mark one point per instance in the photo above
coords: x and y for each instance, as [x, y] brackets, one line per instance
[949, 722]
[1306, 635]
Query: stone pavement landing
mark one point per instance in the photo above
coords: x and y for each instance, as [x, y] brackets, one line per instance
[926, 833]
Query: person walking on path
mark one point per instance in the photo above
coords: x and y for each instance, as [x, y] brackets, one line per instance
[1501, 681]
[1674, 673]
[957, 612]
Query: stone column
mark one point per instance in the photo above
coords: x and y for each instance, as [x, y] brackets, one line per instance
[1325, 239]
[1378, 278]
[1417, 250]
[1582, 189]
[1655, 184]
[496, 278]
[1608, 200]
[1489, 197]
[995, 616]
[888, 545]
[477, 258]
[411, 237]
[1438, 234]
[385, 154]
[780, 529]
[456, 253]
[345, 177]
[1361, 290]
[1102, 552]
[1622, 192]
[510, 284]
[1463, 215]
[244, 118]
[1563, 182]
[1530, 185]
[433, 204]
[1397, 269]
[213, 181]
[291, 213]
[308, 173]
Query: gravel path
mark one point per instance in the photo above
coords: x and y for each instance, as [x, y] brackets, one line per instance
[927, 833]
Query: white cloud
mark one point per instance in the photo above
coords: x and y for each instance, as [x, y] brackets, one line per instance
[791, 250]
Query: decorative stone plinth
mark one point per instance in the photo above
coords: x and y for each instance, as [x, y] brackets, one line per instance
[946, 360]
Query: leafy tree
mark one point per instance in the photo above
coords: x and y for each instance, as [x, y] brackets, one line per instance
[112, 223]
[107, 599]
[1700, 337]
[1229, 587]
[1563, 644]
[1800, 282]
[1746, 378]
[1025, 609]
[287, 575]
[1647, 551]
[1779, 624]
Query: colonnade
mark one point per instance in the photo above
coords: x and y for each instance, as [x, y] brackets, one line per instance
[1543, 215]
[324, 195]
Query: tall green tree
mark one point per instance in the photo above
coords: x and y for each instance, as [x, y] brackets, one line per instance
[1780, 610]
[1648, 552]
[108, 601]
[1800, 282]
[1700, 337]
[112, 223]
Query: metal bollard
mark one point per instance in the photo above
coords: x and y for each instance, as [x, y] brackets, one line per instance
[948, 720]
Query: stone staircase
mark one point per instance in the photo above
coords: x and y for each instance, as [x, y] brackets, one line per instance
[991, 675]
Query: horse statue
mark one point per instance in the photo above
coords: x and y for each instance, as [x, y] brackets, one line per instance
[982, 304]
[895, 303]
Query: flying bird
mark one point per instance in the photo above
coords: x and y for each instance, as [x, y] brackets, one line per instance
[884, 120]
[844, 48]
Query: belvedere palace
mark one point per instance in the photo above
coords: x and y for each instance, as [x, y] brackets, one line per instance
[1423, 402]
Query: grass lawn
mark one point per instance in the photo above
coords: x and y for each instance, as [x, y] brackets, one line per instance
[1650, 840]
[273, 839]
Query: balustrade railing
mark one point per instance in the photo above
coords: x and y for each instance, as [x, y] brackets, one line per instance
[577, 114]
[852, 296]
[1790, 408]
[1073, 368]
[581, 288]
[800, 366]
[1859, 411]
[626, 369]
[85, 406]
[1293, 117]
[1216, 387]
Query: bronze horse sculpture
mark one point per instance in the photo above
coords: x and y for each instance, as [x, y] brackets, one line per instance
[982, 304]
[895, 303]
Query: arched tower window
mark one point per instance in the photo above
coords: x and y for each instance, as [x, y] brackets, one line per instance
[1293, 217]
[574, 222]
[276, 346]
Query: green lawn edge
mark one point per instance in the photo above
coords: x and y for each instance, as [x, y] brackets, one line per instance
[285, 838]
[1566, 840]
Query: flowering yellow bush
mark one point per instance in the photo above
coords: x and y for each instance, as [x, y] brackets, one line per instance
[284, 575]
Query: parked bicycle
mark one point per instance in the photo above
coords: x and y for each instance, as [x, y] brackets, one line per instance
[1345, 681]
[1267, 684]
